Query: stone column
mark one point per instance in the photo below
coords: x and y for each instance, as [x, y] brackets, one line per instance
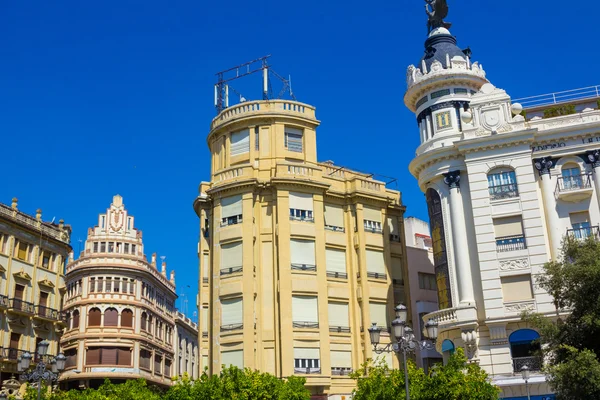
[544, 165]
[459, 238]
[593, 158]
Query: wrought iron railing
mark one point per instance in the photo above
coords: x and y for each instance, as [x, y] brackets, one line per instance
[590, 92]
[571, 183]
[339, 329]
[231, 327]
[335, 228]
[340, 275]
[237, 219]
[303, 267]
[47, 312]
[510, 243]
[376, 275]
[585, 232]
[305, 324]
[534, 363]
[373, 229]
[231, 270]
[23, 306]
[12, 354]
[340, 371]
[307, 370]
[504, 191]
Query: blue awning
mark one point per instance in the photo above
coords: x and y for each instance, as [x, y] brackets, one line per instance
[523, 336]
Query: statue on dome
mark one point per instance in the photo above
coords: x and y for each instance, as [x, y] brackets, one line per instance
[436, 10]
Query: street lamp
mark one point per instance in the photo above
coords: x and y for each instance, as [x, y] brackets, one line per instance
[525, 374]
[405, 339]
[40, 371]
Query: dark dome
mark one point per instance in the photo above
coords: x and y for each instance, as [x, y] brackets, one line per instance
[436, 48]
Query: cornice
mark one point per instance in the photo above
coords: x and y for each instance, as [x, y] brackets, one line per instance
[496, 141]
[234, 186]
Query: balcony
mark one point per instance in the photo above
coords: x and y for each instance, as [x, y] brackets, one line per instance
[584, 233]
[304, 267]
[502, 192]
[12, 354]
[231, 270]
[534, 363]
[335, 228]
[510, 243]
[307, 370]
[236, 219]
[340, 371]
[338, 275]
[451, 318]
[305, 324]
[374, 275]
[232, 327]
[339, 329]
[21, 307]
[47, 313]
[574, 188]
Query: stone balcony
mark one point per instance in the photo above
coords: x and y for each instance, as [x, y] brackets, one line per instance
[454, 318]
[263, 108]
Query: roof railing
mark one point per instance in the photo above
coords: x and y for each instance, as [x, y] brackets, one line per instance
[589, 92]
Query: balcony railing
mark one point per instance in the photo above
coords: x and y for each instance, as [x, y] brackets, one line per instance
[339, 329]
[231, 327]
[22, 306]
[307, 370]
[12, 354]
[231, 270]
[48, 313]
[237, 219]
[576, 182]
[340, 275]
[376, 275]
[303, 267]
[335, 228]
[305, 324]
[504, 191]
[339, 371]
[585, 232]
[534, 363]
[510, 243]
[373, 229]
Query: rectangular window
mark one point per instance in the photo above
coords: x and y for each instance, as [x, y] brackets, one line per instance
[132, 286]
[502, 184]
[71, 355]
[205, 268]
[305, 313]
[509, 233]
[240, 143]
[397, 271]
[92, 285]
[235, 357]
[157, 365]
[231, 210]
[341, 362]
[231, 258]
[421, 102]
[394, 229]
[372, 220]
[302, 255]
[232, 313]
[111, 247]
[100, 287]
[133, 247]
[581, 227]
[378, 313]
[375, 264]
[126, 248]
[334, 218]
[92, 356]
[204, 319]
[293, 139]
[256, 138]
[124, 357]
[117, 285]
[23, 251]
[516, 288]
[339, 317]
[301, 207]
[307, 360]
[108, 285]
[102, 247]
[145, 357]
[427, 281]
[440, 93]
[19, 292]
[336, 263]
[95, 247]
[46, 260]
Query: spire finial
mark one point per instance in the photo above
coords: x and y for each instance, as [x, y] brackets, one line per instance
[436, 10]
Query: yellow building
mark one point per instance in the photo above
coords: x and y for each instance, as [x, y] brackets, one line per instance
[297, 258]
[32, 258]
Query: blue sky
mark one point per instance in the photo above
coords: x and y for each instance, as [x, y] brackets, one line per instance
[99, 98]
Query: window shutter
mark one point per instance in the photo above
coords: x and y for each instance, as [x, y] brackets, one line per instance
[111, 317]
[301, 201]
[71, 355]
[240, 142]
[92, 356]
[397, 268]
[75, 319]
[393, 225]
[108, 356]
[305, 352]
[127, 318]
[335, 260]
[508, 226]
[145, 358]
[341, 359]
[157, 364]
[293, 139]
[378, 313]
[515, 288]
[205, 266]
[204, 312]
[579, 218]
[167, 367]
[334, 215]
[338, 315]
[44, 299]
[375, 262]
[231, 255]
[232, 311]
[231, 206]
[19, 289]
[372, 214]
[235, 358]
[94, 317]
[15, 338]
[305, 309]
[302, 252]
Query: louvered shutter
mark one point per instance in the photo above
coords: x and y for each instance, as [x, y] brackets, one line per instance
[336, 260]
[375, 262]
[334, 215]
[306, 353]
[305, 309]
[232, 311]
[302, 252]
[235, 358]
[341, 359]
[92, 356]
[124, 357]
[94, 317]
[231, 206]
[301, 201]
[127, 319]
[240, 142]
[293, 139]
[338, 315]
[111, 317]
[231, 255]
[508, 226]
[205, 265]
[378, 313]
[397, 268]
[108, 356]
[372, 214]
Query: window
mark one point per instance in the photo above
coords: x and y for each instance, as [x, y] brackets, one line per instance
[144, 322]
[509, 234]
[15, 339]
[145, 357]
[117, 285]
[23, 251]
[108, 285]
[43, 299]
[205, 268]
[427, 281]
[76, 319]
[375, 265]
[372, 220]
[581, 227]
[421, 102]
[133, 246]
[240, 143]
[71, 360]
[167, 367]
[302, 255]
[524, 349]
[307, 360]
[232, 314]
[502, 184]
[571, 177]
[305, 313]
[334, 218]
[127, 318]
[394, 229]
[126, 248]
[293, 139]
[99, 285]
[46, 260]
[232, 357]
[460, 91]
[94, 317]
[204, 316]
[336, 263]
[397, 271]
[516, 288]
[231, 258]
[132, 286]
[4, 245]
[341, 362]
[95, 247]
[440, 93]
[301, 207]
[19, 292]
[443, 120]
[111, 247]
[338, 317]
[108, 356]
[231, 210]
[378, 312]
[256, 138]
[102, 247]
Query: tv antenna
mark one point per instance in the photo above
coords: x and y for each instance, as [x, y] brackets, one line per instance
[223, 87]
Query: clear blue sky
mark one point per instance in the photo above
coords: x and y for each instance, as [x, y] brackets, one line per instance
[99, 98]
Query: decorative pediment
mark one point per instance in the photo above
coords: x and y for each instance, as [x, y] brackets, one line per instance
[22, 275]
[46, 282]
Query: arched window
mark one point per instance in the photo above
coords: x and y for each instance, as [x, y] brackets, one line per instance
[149, 324]
[68, 320]
[571, 176]
[76, 319]
[524, 348]
[144, 322]
[127, 318]
[94, 317]
[111, 317]
[438, 239]
[502, 183]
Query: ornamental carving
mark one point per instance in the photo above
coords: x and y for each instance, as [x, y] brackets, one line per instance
[514, 265]
[544, 165]
[452, 179]
[117, 220]
[469, 338]
[519, 307]
[592, 157]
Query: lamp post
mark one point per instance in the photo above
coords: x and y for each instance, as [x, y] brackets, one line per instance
[40, 371]
[405, 339]
[525, 374]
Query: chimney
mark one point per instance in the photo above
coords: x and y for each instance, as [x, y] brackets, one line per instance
[38, 214]
[164, 268]
[15, 202]
[173, 277]
[154, 260]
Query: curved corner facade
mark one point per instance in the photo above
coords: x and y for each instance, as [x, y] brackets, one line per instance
[297, 258]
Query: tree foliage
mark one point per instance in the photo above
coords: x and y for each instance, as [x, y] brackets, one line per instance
[457, 380]
[570, 344]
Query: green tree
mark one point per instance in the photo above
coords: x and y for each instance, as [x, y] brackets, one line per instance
[457, 380]
[570, 344]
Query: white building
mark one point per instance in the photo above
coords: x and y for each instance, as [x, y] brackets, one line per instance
[186, 347]
[502, 192]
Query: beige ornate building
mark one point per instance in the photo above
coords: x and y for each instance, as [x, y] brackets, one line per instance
[119, 307]
[297, 258]
[32, 259]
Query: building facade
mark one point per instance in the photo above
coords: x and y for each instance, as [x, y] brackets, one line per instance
[421, 283]
[187, 352]
[33, 254]
[502, 190]
[297, 258]
[119, 308]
